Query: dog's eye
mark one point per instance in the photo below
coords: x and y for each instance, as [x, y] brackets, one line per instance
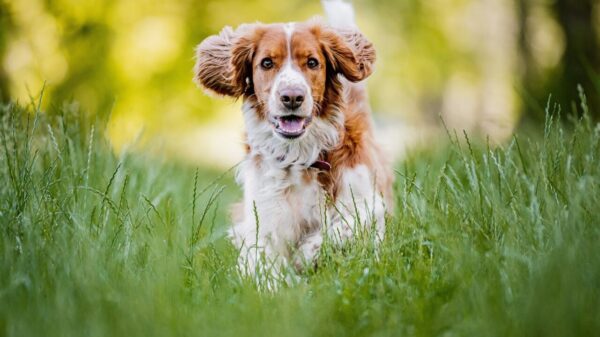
[266, 63]
[312, 63]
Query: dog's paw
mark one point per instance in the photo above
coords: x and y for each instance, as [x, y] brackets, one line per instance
[339, 232]
[308, 250]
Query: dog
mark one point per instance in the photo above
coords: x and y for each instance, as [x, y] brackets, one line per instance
[312, 168]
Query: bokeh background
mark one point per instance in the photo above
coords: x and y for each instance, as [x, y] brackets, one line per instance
[480, 65]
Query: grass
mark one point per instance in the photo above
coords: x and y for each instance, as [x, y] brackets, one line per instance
[500, 241]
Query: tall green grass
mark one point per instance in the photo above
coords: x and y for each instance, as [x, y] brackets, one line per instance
[486, 241]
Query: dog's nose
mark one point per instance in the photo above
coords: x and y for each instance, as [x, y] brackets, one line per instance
[291, 98]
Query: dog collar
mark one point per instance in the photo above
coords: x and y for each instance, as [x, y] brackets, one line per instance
[321, 165]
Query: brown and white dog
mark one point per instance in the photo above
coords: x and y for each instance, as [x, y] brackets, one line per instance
[312, 167]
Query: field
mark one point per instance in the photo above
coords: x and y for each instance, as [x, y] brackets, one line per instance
[484, 241]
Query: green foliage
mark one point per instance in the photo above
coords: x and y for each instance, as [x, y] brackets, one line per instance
[484, 242]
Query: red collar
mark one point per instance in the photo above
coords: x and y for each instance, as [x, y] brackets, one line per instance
[321, 165]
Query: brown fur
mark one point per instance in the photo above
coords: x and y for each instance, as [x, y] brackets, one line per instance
[213, 69]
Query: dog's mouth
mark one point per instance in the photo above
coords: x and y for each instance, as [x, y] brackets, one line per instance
[290, 126]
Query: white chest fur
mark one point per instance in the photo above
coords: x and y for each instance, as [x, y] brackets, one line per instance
[283, 204]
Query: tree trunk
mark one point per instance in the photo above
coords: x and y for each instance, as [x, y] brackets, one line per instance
[4, 31]
[581, 60]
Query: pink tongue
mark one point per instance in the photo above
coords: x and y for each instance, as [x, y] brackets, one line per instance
[292, 125]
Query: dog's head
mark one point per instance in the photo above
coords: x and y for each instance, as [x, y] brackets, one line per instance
[287, 71]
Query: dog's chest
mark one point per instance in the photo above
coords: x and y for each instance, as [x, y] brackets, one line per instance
[293, 192]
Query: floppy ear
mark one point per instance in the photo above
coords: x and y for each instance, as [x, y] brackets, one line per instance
[349, 53]
[213, 70]
[223, 61]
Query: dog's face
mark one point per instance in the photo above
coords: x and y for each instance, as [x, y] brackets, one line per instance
[289, 72]
[286, 69]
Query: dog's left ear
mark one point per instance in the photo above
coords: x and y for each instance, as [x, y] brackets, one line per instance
[348, 52]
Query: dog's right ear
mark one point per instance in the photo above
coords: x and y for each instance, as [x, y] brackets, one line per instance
[213, 70]
[223, 61]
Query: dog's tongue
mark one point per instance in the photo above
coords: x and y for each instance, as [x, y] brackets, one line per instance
[291, 125]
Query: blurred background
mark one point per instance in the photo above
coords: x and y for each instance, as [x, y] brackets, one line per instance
[479, 65]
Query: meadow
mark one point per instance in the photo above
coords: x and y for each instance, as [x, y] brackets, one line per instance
[484, 241]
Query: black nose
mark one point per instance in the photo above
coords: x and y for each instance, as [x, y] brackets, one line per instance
[291, 98]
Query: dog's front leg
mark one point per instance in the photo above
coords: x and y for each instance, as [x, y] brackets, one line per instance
[307, 251]
[264, 237]
[358, 208]
[260, 254]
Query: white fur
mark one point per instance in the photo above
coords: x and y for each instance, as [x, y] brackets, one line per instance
[288, 209]
[276, 215]
[284, 217]
[290, 212]
[277, 202]
[271, 176]
[358, 205]
[289, 31]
